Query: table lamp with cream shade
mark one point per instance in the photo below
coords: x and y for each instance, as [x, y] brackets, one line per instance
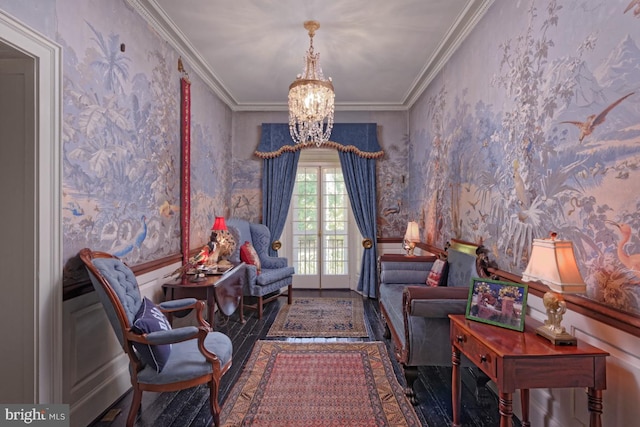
[411, 237]
[553, 263]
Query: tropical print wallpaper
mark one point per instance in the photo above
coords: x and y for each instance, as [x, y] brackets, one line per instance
[121, 142]
[533, 126]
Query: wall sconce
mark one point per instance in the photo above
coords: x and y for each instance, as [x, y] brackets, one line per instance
[553, 263]
[411, 237]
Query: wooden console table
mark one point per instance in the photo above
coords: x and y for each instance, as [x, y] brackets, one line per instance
[523, 360]
[223, 290]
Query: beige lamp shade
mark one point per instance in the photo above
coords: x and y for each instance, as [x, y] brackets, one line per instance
[554, 264]
[413, 232]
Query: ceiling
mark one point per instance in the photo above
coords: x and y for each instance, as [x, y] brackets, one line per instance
[381, 54]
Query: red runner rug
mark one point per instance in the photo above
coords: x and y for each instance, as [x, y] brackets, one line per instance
[318, 385]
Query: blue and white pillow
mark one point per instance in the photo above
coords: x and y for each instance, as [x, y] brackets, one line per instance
[150, 319]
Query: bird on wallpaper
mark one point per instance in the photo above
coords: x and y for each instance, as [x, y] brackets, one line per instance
[588, 126]
[632, 262]
[75, 209]
[392, 210]
[137, 242]
[636, 11]
[521, 191]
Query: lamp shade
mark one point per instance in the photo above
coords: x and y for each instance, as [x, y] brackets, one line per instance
[413, 232]
[553, 263]
[219, 224]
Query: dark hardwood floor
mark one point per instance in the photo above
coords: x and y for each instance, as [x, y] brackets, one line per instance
[190, 407]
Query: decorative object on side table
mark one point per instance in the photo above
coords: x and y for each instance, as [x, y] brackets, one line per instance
[411, 237]
[225, 244]
[553, 263]
[497, 303]
[196, 265]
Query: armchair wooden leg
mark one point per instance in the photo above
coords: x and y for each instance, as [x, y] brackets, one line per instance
[213, 400]
[259, 308]
[290, 294]
[135, 406]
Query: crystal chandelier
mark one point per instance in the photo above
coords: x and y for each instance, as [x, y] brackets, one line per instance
[311, 99]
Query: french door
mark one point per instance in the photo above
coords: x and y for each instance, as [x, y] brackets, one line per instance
[320, 227]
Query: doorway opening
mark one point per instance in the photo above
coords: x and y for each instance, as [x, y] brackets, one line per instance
[320, 229]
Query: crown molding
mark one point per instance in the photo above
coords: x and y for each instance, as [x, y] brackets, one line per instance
[160, 22]
[166, 29]
[458, 32]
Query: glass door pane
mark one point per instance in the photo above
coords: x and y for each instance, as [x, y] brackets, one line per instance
[320, 226]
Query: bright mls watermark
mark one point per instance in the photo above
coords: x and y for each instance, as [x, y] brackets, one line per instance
[53, 415]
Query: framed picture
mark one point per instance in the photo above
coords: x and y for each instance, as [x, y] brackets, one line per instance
[498, 303]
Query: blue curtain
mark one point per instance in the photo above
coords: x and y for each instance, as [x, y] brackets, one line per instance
[360, 178]
[278, 178]
[358, 148]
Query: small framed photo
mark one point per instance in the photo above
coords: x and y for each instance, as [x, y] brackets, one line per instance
[498, 303]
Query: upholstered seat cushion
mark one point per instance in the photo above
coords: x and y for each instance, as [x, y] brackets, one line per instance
[391, 298]
[268, 276]
[187, 362]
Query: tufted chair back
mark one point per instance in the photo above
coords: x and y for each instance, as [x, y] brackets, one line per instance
[121, 291]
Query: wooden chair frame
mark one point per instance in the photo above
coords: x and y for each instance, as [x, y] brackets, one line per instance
[136, 365]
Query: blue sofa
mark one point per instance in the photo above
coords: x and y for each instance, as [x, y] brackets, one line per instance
[415, 315]
[275, 273]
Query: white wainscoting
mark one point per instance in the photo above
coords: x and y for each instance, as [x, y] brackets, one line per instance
[95, 368]
[621, 399]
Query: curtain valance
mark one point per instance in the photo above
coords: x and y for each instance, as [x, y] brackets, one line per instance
[358, 138]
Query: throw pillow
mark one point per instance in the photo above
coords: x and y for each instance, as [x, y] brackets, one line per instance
[150, 319]
[438, 273]
[249, 255]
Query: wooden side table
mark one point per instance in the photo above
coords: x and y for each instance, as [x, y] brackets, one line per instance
[223, 290]
[523, 360]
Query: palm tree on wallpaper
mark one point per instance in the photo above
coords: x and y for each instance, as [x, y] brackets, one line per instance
[113, 65]
[119, 154]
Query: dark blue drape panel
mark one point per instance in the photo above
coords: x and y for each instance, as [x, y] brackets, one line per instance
[360, 178]
[279, 175]
[278, 178]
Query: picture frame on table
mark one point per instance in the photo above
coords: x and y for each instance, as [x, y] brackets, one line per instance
[498, 303]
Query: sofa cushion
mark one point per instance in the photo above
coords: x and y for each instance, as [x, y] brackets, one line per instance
[150, 319]
[249, 255]
[438, 274]
[462, 267]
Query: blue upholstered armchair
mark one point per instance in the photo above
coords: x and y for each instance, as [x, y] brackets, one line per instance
[160, 358]
[275, 273]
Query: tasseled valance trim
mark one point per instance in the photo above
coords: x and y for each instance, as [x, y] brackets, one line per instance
[328, 144]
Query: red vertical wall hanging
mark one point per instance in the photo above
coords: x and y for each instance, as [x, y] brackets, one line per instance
[185, 169]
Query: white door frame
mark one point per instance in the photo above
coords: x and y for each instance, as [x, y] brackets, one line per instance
[324, 157]
[48, 184]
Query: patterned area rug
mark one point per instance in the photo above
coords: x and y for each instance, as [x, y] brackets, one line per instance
[320, 317]
[287, 384]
